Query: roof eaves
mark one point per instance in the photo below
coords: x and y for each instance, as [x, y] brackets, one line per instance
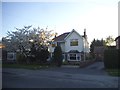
[71, 33]
[61, 37]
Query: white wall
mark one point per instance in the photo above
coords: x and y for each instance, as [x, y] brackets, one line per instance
[50, 48]
[86, 46]
[80, 43]
[65, 46]
[62, 44]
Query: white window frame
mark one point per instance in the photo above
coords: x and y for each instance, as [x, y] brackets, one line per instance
[13, 56]
[76, 57]
[72, 40]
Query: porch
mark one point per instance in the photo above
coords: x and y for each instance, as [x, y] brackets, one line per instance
[73, 56]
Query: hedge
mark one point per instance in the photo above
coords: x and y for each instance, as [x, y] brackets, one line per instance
[111, 59]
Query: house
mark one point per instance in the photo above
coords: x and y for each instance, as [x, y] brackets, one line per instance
[3, 53]
[0, 54]
[74, 46]
[6, 56]
[117, 42]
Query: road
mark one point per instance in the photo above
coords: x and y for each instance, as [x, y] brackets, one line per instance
[0, 77]
[63, 77]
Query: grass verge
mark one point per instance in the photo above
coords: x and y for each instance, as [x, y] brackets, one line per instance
[25, 66]
[114, 72]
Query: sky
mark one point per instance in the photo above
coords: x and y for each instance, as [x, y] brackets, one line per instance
[98, 17]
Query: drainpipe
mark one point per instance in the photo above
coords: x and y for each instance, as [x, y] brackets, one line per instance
[84, 50]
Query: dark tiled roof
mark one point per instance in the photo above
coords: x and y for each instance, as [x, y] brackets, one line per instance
[61, 37]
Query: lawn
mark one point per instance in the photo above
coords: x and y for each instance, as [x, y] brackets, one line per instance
[114, 72]
[25, 66]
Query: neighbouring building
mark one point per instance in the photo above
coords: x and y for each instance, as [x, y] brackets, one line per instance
[117, 42]
[74, 46]
[3, 53]
[0, 53]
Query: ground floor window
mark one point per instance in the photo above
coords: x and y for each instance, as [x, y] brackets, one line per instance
[72, 56]
[11, 56]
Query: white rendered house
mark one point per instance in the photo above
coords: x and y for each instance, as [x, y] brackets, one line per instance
[73, 45]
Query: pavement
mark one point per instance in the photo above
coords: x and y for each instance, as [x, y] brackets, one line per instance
[93, 76]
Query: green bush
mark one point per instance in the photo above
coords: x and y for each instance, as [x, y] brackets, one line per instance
[39, 55]
[21, 58]
[57, 56]
[65, 62]
[4, 55]
[111, 59]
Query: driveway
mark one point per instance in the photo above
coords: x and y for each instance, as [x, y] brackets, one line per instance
[63, 77]
[96, 68]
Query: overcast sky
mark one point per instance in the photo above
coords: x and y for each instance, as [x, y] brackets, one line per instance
[99, 17]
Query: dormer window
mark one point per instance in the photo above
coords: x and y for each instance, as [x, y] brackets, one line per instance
[74, 42]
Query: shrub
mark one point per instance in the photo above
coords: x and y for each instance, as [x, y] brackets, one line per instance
[44, 55]
[58, 56]
[111, 59]
[21, 58]
[65, 62]
[39, 55]
[4, 55]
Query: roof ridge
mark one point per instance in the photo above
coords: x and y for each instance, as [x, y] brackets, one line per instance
[61, 37]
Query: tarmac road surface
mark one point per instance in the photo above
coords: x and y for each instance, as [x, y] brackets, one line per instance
[63, 77]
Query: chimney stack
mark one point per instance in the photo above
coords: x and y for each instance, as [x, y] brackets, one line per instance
[85, 36]
[56, 35]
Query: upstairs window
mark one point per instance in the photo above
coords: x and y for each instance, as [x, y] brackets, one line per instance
[74, 42]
